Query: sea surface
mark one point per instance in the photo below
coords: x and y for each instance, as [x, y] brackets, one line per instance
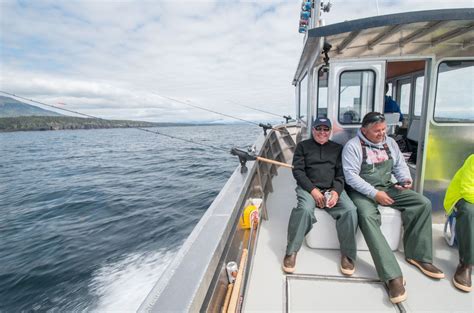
[89, 219]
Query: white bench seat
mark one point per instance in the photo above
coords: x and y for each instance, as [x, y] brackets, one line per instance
[324, 235]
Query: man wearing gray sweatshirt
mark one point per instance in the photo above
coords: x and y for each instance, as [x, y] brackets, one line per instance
[369, 160]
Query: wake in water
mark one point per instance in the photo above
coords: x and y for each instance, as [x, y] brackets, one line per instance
[122, 286]
[91, 219]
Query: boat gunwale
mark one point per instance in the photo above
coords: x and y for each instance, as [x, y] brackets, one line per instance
[169, 292]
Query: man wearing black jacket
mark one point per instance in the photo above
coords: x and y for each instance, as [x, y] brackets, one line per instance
[318, 170]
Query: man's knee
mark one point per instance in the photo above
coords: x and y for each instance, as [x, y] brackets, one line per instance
[368, 216]
[424, 204]
[350, 210]
[304, 208]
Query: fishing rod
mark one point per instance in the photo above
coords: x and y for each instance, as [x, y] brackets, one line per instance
[205, 109]
[286, 117]
[265, 127]
[103, 119]
[243, 156]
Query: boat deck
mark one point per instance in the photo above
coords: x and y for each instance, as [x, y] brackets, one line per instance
[317, 284]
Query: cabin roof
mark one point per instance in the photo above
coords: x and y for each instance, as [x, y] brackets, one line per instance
[446, 32]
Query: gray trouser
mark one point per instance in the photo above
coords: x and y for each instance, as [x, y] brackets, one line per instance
[302, 219]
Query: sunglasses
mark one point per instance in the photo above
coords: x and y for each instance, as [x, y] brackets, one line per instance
[322, 129]
[379, 117]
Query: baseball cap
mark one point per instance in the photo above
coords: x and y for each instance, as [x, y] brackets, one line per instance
[321, 121]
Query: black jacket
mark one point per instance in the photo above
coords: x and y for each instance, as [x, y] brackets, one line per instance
[319, 166]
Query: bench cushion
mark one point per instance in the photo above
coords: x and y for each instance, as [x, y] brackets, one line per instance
[324, 235]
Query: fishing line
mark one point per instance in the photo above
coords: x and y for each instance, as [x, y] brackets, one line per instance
[98, 118]
[49, 105]
[205, 109]
[264, 126]
[286, 117]
[246, 106]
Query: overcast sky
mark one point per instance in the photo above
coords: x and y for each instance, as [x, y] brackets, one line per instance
[115, 59]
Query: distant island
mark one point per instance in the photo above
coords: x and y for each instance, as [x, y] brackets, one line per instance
[24, 123]
[19, 116]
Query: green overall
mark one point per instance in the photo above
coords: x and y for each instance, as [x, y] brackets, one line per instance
[416, 217]
[302, 219]
[465, 231]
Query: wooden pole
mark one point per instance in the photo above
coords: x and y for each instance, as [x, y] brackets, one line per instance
[234, 299]
[227, 298]
[274, 162]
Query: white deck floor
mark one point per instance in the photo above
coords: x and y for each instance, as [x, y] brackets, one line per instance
[316, 283]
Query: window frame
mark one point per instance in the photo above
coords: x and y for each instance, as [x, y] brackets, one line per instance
[453, 121]
[415, 77]
[405, 80]
[339, 94]
[317, 92]
[305, 76]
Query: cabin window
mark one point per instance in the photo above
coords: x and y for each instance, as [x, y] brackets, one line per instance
[454, 93]
[322, 105]
[404, 98]
[303, 98]
[419, 82]
[390, 90]
[356, 95]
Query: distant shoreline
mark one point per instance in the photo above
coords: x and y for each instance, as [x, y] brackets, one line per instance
[47, 123]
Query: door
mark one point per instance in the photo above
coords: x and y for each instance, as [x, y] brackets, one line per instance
[355, 88]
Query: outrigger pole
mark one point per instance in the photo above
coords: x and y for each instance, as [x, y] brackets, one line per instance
[245, 156]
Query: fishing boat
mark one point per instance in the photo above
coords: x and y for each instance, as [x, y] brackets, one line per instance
[427, 60]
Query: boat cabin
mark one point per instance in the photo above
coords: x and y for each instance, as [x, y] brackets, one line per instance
[427, 61]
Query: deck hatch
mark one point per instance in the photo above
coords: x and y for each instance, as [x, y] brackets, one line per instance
[306, 292]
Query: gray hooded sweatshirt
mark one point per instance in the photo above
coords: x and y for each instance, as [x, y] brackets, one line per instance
[352, 162]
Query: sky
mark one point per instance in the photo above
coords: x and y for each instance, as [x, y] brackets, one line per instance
[125, 59]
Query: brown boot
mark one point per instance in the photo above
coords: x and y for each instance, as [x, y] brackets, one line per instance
[462, 277]
[347, 266]
[396, 290]
[427, 268]
[289, 263]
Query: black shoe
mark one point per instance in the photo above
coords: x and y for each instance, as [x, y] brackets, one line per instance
[289, 263]
[462, 277]
[427, 268]
[396, 290]
[347, 266]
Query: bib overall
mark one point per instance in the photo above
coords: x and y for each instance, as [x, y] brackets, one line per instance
[416, 217]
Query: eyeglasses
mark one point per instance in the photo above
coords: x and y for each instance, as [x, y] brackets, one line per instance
[322, 129]
[373, 118]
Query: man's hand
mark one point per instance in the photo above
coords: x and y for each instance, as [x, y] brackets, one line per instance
[383, 198]
[318, 198]
[334, 198]
[407, 184]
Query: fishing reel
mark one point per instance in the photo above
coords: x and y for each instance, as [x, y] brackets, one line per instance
[265, 127]
[243, 158]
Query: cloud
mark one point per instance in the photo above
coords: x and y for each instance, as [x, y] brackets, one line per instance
[113, 59]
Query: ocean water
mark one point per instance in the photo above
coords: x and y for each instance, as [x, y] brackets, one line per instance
[89, 219]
